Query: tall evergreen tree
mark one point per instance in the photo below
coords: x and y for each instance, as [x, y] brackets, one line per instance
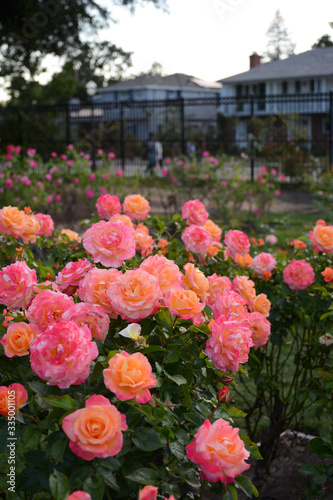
[279, 45]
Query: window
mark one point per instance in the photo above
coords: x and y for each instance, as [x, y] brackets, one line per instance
[239, 91]
[297, 86]
[312, 85]
[284, 87]
[261, 93]
[171, 94]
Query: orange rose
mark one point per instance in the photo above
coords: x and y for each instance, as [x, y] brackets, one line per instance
[195, 280]
[297, 244]
[261, 304]
[122, 218]
[328, 274]
[11, 399]
[136, 207]
[72, 235]
[243, 260]
[322, 238]
[245, 287]
[18, 338]
[184, 303]
[30, 230]
[213, 229]
[12, 221]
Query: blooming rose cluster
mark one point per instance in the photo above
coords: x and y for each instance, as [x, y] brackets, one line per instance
[20, 224]
[322, 237]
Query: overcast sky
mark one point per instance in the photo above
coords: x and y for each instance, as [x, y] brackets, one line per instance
[209, 39]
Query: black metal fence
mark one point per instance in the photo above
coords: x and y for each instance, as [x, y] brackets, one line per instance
[294, 128]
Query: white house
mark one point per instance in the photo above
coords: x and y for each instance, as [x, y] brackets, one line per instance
[298, 87]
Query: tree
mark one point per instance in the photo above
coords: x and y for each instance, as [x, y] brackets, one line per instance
[32, 29]
[279, 45]
[322, 42]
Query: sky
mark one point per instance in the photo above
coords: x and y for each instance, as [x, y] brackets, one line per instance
[208, 39]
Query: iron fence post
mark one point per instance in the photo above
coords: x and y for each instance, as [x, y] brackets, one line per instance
[93, 140]
[122, 136]
[331, 129]
[68, 128]
[252, 141]
[182, 124]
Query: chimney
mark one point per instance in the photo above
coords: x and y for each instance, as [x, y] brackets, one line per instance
[254, 60]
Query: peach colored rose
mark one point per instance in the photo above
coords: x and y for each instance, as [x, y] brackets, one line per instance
[148, 493]
[143, 242]
[236, 242]
[94, 287]
[271, 239]
[79, 495]
[194, 212]
[322, 238]
[165, 271]
[122, 218]
[136, 207]
[218, 451]
[260, 304]
[229, 344]
[47, 308]
[230, 304]
[299, 275]
[162, 244]
[195, 280]
[96, 430]
[46, 225]
[328, 274]
[12, 398]
[260, 328]
[72, 235]
[91, 315]
[263, 262]
[16, 285]
[217, 284]
[214, 249]
[213, 229]
[196, 239]
[109, 243]
[129, 376]
[108, 205]
[18, 338]
[30, 229]
[244, 286]
[63, 353]
[142, 227]
[297, 244]
[184, 303]
[12, 221]
[243, 260]
[68, 280]
[135, 295]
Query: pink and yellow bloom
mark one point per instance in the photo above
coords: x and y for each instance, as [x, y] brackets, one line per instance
[196, 239]
[12, 398]
[299, 275]
[48, 307]
[194, 212]
[108, 205]
[165, 271]
[16, 285]
[136, 207]
[18, 338]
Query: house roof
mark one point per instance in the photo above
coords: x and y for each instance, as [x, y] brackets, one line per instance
[313, 63]
[176, 81]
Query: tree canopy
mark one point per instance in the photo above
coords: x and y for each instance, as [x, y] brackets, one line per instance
[322, 42]
[279, 44]
[32, 29]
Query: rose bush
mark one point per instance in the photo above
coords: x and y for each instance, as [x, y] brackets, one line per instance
[127, 374]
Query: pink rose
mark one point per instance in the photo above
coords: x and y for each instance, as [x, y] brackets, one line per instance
[143, 242]
[244, 287]
[109, 243]
[79, 495]
[196, 239]
[11, 405]
[322, 238]
[16, 285]
[130, 377]
[136, 207]
[229, 344]
[94, 287]
[72, 274]
[46, 225]
[148, 493]
[230, 304]
[194, 212]
[166, 271]
[47, 308]
[108, 205]
[95, 431]
[299, 275]
[260, 328]
[111, 155]
[90, 193]
[217, 284]
[91, 315]
[119, 172]
[135, 295]
[63, 353]
[218, 451]
[236, 243]
[263, 262]
[271, 239]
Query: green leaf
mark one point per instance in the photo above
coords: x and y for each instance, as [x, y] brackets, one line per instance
[163, 317]
[58, 485]
[235, 412]
[322, 450]
[187, 395]
[109, 478]
[31, 438]
[244, 484]
[308, 469]
[97, 372]
[251, 447]
[147, 439]
[79, 475]
[145, 476]
[177, 449]
[178, 379]
[231, 493]
[194, 418]
[58, 449]
[40, 389]
[62, 402]
[95, 486]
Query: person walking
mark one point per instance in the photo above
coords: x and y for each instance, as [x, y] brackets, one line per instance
[151, 154]
[159, 153]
